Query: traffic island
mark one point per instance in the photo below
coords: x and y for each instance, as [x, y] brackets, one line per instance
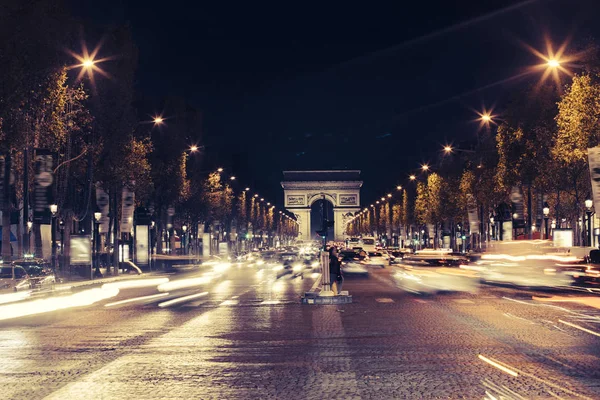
[317, 298]
[325, 295]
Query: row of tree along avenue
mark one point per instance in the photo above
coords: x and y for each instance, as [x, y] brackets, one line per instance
[526, 176]
[78, 165]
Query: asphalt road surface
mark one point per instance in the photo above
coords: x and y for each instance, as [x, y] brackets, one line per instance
[242, 333]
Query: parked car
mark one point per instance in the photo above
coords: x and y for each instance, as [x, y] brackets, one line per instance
[41, 274]
[13, 278]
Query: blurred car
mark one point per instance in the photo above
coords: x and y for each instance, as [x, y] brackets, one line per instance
[376, 259]
[13, 278]
[531, 270]
[436, 257]
[395, 257]
[353, 266]
[41, 274]
[429, 280]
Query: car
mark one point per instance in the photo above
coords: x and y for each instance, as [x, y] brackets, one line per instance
[353, 267]
[375, 259]
[433, 280]
[41, 274]
[13, 278]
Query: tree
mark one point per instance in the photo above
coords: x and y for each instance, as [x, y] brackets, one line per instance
[578, 129]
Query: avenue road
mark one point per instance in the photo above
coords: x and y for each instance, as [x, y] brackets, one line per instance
[243, 333]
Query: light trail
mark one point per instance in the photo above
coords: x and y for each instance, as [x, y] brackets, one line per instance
[579, 327]
[500, 367]
[136, 284]
[183, 299]
[137, 299]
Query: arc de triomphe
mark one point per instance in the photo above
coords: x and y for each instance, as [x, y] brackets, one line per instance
[303, 188]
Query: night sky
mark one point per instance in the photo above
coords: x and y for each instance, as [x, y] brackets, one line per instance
[324, 85]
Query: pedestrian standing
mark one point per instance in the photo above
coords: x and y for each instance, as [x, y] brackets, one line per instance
[335, 271]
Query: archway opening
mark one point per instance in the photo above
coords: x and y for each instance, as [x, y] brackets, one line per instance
[320, 210]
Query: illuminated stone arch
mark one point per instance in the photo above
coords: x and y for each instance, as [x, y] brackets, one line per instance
[303, 188]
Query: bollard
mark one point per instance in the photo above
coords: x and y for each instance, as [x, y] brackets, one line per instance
[326, 289]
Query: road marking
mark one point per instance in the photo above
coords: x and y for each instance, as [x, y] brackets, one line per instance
[500, 367]
[523, 373]
[579, 327]
[509, 315]
[384, 300]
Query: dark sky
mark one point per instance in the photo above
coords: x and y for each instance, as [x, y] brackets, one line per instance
[302, 85]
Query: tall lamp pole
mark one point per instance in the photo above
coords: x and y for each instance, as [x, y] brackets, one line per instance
[588, 211]
[546, 211]
[184, 240]
[97, 216]
[29, 226]
[53, 210]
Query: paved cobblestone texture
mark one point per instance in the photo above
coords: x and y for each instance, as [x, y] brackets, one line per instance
[250, 338]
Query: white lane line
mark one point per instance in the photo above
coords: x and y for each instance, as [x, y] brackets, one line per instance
[135, 299]
[384, 300]
[579, 327]
[509, 315]
[523, 373]
[500, 367]
[547, 305]
[182, 299]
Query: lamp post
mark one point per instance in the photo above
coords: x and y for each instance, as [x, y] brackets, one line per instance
[97, 216]
[53, 210]
[515, 216]
[588, 211]
[184, 239]
[546, 211]
[29, 226]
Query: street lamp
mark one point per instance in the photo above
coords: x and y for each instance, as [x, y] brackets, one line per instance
[184, 239]
[398, 187]
[546, 211]
[29, 226]
[53, 210]
[553, 63]
[588, 210]
[97, 216]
